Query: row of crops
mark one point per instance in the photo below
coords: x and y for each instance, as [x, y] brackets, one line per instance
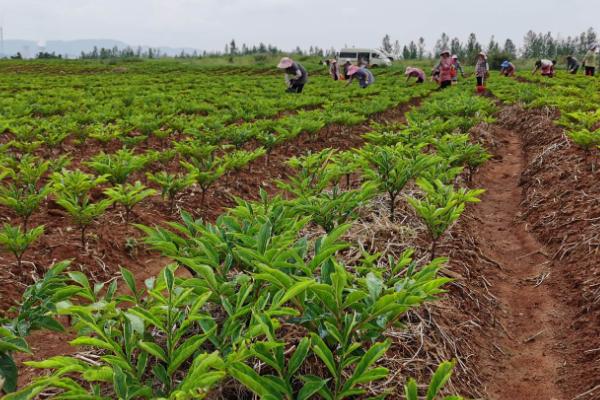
[250, 302]
[575, 97]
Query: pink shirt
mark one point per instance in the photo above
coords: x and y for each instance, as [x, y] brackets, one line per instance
[445, 69]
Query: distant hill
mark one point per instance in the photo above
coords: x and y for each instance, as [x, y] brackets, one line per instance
[73, 48]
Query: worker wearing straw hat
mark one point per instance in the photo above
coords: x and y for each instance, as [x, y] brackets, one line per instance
[445, 67]
[482, 71]
[295, 75]
[412, 72]
[364, 76]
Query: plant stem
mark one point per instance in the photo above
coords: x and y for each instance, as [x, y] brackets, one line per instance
[83, 228]
[434, 243]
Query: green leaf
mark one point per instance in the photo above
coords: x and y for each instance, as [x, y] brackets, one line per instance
[295, 290]
[312, 385]
[153, 349]
[411, 391]
[439, 379]
[298, 357]
[249, 378]
[8, 373]
[323, 352]
[129, 280]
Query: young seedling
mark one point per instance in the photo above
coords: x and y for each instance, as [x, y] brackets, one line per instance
[331, 209]
[17, 242]
[129, 195]
[205, 175]
[171, 185]
[117, 166]
[392, 167]
[441, 206]
[83, 211]
[24, 201]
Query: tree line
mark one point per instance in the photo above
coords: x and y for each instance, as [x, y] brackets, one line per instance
[535, 46]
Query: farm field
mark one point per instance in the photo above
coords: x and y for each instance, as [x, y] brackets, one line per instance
[175, 230]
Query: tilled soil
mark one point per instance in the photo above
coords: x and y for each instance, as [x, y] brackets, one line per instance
[561, 206]
[527, 360]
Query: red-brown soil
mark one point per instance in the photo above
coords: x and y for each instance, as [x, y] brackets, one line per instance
[561, 206]
[526, 335]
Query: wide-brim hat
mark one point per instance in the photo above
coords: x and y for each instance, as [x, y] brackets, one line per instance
[352, 70]
[285, 62]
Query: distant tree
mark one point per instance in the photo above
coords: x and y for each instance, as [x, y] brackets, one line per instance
[549, 50]
[17, 56]
[414, 51]
[386, 44]
[406, 53]
[456, 47]
[510, 49]
[473, 48]
[46, 55]
[262, 48]
[397, 51]
[232, 47]
[421, 53]
[441, 44]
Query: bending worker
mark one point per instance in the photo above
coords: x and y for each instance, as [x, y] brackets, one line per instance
[364, 76]
[412, 72]
[507, 68]
[572, 65]
[546, 66]
[295, 75]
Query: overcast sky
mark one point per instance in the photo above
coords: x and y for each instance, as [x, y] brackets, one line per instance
[208, 24]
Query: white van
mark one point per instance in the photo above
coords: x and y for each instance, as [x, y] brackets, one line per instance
[374, 58]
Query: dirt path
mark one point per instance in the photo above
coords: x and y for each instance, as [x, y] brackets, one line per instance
[525, 339]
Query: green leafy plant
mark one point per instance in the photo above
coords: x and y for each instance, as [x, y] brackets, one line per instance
[37, 310]
[76, 184]
[441, 206]
[17, 241]
[204, 174]
[333, 208]
[313, 174]
[129, 195]
[438, 381]
[392, 167]
[83, 211]
[24, 201]
[117, 166]
[146, 345]
[171, 185]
